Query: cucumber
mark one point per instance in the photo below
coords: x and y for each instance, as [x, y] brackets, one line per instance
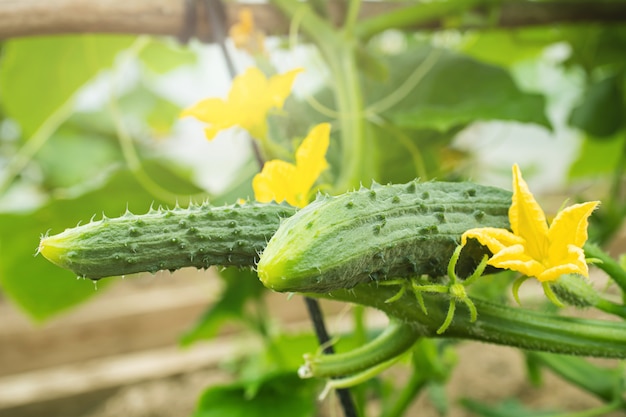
[391, 231]
[198, 236]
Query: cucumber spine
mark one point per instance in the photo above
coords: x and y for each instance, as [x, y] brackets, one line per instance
[198, 236]
[392, 231]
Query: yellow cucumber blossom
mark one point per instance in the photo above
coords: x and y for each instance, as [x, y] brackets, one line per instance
[533, 248]
[283, 181]
[250, 99]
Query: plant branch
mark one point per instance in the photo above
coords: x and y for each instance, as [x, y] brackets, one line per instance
[166, 17]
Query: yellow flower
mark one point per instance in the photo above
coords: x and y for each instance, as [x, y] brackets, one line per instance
[534, 249]
[280, 180]
[251, 97]
[245, 36]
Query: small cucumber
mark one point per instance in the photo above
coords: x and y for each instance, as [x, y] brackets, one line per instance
[391, 231]
[198, 236]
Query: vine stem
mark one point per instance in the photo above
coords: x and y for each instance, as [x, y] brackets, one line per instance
[607, 264]
[504, 325]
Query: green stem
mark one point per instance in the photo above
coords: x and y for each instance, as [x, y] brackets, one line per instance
[351, 121]
[611, 308]
[396, 339]
[352, 16]
[497, 324]
[607, 264]
[361, 377]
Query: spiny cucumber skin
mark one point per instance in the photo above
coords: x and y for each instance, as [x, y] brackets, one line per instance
[199, 236]
[392, 231]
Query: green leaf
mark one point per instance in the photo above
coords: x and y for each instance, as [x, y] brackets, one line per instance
[279, 395]
[38, 75]
[71, 157]
[438, 397]
[602, 382]
[457, 90]
[162, 55]
[602, 111]
[154, 111]
[507, 47]
[242, 285]
[595, 45]
[371, 65]
[40, 288]
[598, 158]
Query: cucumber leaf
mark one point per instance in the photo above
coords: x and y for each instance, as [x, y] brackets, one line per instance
[38, 75]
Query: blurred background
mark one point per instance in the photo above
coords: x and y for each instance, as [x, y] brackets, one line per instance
[89, 125]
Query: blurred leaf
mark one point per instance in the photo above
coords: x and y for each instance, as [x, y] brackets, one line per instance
[438, 397]
[433, 360]
[595, 46]
[457, 90]
[242, 285]
[597, 158]
[38, 75]
[163, 55]
[404, 154]
[594, 379]
[602, 112]
[70, 157]
[97, 128]
[506, 47]
[283, 353]
[279, 395]
[533, 370]
[40, 288]
[371, 65]
[509, 408]
[151, 109]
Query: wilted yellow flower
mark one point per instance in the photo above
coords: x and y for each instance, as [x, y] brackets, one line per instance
[250, 99]
[283, 181]
[534, 249]
[244, 34]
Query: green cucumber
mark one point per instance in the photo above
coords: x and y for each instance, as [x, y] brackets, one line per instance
[391, 231]
[198, 236]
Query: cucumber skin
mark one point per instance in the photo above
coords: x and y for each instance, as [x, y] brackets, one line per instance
[392, 231]
[199, 236]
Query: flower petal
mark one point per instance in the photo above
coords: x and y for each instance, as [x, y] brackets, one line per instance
[495, 239]
[311, 155]
[569, 227]
[554, 273]
[214, 111]
[572, 263]
[210, 110]
[527, 218]
[516, 259]
[249, 90]
[275, 183]
[279, 87]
